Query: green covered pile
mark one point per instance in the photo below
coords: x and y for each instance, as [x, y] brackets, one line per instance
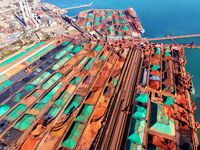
[168, 100]
[102, 18]
[41, 78]
[136, 138]
[3, 109]
[45, 99]
[76, 100]
[120, 14]
[90, 15]
[157, 50]
[125, 28]
[98, 48]
[122, 21]
[15, 113]
[88, 23]
[61, 62]
[21, 54]
[71, 140]
[5, 84]
[140, 112]
[155, 67]
[77, 49]
[143, 98]
[76, 80]
[89, 63]
[51, 81]
[85, 113]
[167, 53]
[40, 53]
[63, 52]
[96, 21]
[108, 14]
[163, 123]
[24, 122]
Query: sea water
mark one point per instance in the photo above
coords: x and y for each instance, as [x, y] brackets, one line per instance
[159, 18]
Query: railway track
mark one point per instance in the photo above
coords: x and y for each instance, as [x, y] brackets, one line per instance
[125, 104]
[99, 139]
[117, 111]
[132, 104]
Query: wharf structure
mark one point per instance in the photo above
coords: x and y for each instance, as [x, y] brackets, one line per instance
[168, 37]
[106, 88]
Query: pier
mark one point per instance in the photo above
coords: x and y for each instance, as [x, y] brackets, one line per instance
[193, 46]
[80, 6]
[173, 37]
[189, 46]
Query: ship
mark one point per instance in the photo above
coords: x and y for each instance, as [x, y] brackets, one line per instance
[192, 89]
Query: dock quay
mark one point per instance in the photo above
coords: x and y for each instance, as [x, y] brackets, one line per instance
[102, 86]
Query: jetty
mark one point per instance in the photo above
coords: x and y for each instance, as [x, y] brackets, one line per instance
[168, 37]
[190, 46]
[80, 6]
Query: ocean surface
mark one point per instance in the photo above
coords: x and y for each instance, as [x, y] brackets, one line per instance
[159, 18]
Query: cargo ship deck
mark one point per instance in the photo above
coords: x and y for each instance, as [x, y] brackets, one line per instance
[105, 89]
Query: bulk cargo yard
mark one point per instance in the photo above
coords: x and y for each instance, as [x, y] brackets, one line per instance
[102, 86]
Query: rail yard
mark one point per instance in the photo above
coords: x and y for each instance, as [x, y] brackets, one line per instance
[105, 88]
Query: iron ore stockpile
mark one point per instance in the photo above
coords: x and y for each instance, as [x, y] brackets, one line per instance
[111, 24]
[113, 90]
